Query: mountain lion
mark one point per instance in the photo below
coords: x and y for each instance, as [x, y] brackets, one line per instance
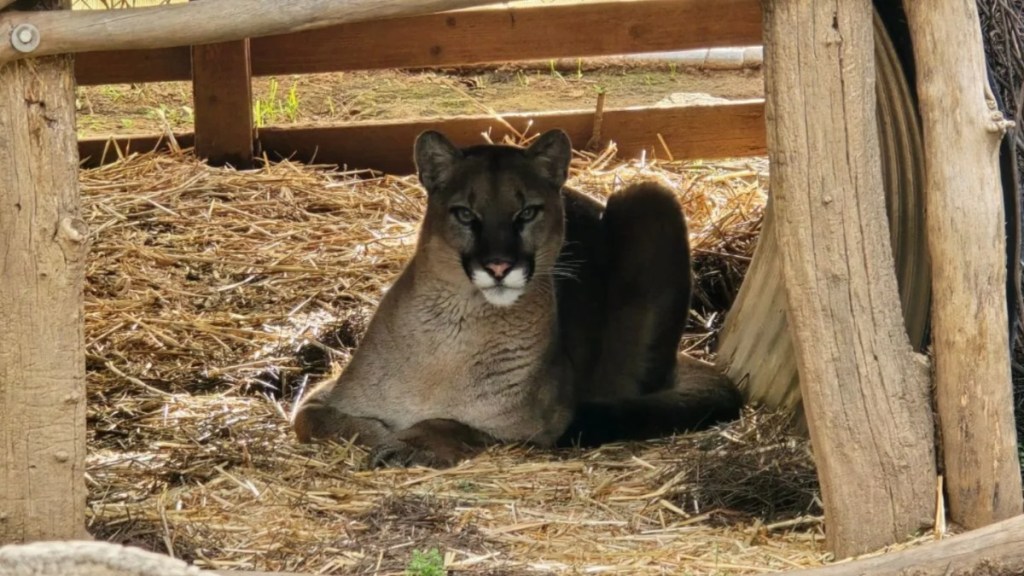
[528, 313]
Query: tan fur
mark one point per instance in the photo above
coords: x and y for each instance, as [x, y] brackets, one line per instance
[442, 371]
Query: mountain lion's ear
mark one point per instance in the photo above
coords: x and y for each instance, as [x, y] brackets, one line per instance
[552, 152]
[435, 158]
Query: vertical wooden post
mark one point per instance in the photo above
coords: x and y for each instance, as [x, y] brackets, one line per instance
[966, 239]
[865, 392]
[42, 267]
[222, 95]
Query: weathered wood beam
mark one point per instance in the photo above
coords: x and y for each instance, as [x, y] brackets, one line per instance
[222, 98]
[966, 240]
[763, 360]
[194, 23]
[453, 39]
[42, 269]
[996, 550]
[131, 66]
[727, 130]
[529, 33]
[865, 392]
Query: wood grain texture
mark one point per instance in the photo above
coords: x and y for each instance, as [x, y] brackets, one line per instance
[965, 229]
[865, 392]
[482, 36]
[194, 23]
[133, 66]
[755, 347]
[762, 359]
[996, 550]
[728, 130]
[477, 36]
[222, 96]
[42, 265]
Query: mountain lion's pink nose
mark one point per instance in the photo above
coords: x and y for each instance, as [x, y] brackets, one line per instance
[498, 268]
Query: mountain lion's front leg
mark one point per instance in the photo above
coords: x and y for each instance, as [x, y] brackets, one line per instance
[435, 443]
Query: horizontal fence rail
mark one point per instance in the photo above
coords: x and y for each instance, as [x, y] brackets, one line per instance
[466, 37]
[725, 130]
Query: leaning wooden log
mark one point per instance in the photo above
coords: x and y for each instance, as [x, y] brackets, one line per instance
[762, 360]
[966, 240]
[865, 392]
[42, 272]
[89, 558]
[194, 23]
[996, 550]
[83, 558]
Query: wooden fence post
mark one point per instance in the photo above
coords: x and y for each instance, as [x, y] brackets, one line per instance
[966, 239]
[42, 266]
[865, 392]
[222, 98]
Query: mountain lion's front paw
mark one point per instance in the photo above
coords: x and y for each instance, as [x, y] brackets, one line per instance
[435, 443]
[396, 453]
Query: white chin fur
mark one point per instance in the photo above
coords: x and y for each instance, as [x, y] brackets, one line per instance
[504, 294]
[500, 296]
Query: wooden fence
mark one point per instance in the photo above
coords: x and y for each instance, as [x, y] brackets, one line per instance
[221, 75]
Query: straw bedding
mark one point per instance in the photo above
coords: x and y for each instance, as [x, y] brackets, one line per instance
[214, 297]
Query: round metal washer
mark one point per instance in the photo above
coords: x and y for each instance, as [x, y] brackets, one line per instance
[25, 38]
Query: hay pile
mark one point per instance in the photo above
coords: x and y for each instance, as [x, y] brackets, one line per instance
[214, 297]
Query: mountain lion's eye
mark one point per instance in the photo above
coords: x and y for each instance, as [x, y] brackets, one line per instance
[527, 214]
[464, 215]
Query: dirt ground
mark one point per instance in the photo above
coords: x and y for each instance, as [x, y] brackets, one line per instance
[393, 94]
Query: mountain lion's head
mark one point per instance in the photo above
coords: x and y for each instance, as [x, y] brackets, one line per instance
[496, 210]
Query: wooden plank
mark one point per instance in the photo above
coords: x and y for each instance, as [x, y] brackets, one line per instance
[479, 36]
[192, 23]
[222, 94]
[967, 242]
[498, 35]
[866, 394]
[98, 151]
[735, 129]
[719, 131]
[42, 272]
[133, 66]
[728, 130]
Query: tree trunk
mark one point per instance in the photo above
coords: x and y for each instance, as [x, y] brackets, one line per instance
[42, 266]
[962, 131]
[865, 392]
